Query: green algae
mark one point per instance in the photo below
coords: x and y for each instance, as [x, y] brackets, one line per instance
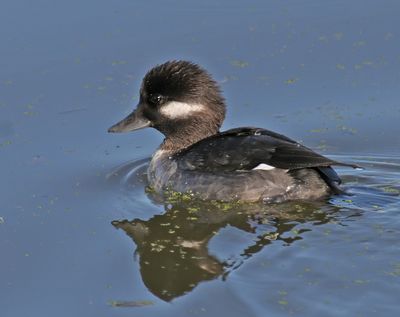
[139, 303]
[239, 63]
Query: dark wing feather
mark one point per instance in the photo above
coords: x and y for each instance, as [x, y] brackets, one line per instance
[333, 180]
[245, 148]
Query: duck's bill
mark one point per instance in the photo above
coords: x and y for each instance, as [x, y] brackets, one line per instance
[132, 122]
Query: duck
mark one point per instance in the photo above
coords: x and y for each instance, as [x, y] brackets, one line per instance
[181, 100]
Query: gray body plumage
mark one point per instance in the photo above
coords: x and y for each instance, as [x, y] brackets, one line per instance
[274, 185]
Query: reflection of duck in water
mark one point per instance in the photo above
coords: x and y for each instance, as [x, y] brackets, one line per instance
[173, 247]
[183, 102]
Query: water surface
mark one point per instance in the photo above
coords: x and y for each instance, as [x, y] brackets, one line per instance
[79, 233]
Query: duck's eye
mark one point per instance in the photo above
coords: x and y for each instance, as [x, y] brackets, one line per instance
[156, 99]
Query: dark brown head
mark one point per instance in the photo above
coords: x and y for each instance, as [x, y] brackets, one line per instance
[179, 99]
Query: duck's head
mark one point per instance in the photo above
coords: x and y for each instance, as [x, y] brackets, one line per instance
[179, 99]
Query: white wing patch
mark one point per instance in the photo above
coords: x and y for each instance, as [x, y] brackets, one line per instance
[264, 167]
[176, 109]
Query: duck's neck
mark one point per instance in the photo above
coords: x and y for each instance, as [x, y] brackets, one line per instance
[185, 137]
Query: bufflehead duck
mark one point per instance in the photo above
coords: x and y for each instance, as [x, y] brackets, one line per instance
[181, 100]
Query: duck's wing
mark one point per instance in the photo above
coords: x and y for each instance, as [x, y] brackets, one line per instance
[246, 148]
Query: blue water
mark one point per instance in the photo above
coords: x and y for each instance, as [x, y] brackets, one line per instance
[79, 235]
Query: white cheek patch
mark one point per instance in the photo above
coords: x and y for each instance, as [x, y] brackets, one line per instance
[176, 109]
[264, 167]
